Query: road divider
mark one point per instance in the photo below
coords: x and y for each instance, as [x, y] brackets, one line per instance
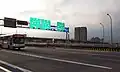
[63, 45]
[106, 49]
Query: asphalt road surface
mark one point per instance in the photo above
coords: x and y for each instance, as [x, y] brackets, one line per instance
[33, 59]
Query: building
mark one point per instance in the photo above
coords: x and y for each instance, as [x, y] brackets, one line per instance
[95, 39]
[80, 34]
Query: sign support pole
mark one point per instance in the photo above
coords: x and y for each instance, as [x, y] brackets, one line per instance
[66, 41]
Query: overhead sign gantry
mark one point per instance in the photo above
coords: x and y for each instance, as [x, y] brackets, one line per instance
[36, 23]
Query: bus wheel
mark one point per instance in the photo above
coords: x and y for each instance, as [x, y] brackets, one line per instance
[1, 46]
[9, 47]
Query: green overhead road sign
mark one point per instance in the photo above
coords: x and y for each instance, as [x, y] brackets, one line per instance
[34, 23]
[60, 26]
[46, 24]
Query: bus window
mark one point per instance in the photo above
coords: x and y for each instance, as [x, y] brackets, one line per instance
[18, 40]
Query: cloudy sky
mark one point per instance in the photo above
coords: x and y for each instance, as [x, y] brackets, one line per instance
[88, 13]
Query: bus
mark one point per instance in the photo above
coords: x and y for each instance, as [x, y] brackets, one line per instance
[14, 41]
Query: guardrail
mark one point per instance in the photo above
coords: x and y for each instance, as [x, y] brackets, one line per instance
[73, 46]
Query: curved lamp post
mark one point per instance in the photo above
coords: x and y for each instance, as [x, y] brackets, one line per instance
[111, 28]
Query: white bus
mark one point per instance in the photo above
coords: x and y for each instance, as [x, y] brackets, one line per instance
[13, 41]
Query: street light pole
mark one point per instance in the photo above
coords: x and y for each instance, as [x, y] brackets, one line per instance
[103, 31]
[111, 29]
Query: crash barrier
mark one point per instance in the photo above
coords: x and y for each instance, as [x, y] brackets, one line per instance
[73, 46]
[36, 44]
[45, 44]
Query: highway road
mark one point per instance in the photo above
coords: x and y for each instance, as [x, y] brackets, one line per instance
[35, 59]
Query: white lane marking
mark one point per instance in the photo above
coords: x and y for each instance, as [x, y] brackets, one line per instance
[13, 66]
[4, 69]
[61, 60]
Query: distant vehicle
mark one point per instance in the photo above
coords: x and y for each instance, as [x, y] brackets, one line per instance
[13, 41]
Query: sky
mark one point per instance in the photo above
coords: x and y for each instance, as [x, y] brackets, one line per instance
[74, 13]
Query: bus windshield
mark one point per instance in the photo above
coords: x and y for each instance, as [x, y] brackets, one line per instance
[18, 40]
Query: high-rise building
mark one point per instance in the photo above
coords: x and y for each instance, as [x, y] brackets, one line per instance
[80, 33]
